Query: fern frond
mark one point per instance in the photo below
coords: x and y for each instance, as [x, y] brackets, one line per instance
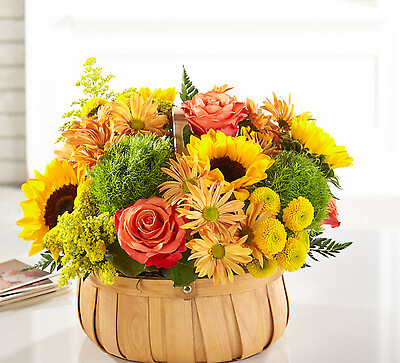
[325, 247]
[47, 261]
[188, 89]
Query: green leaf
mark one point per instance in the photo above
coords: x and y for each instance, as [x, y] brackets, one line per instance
[183, 273]
[186, 133]
[122, 261]
[188, 89]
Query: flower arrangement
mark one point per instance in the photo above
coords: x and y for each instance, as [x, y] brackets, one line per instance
[250, 191]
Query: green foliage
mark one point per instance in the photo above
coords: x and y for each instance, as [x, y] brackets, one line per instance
[94, 85]
[188, 90]
[186, 133]
[325, 247]
[183, 273]
[288, 143]
[293, 175]
[122, 261]
[130, 170]
[47, 261]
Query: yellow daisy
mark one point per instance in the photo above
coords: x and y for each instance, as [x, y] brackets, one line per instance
[183, 175]
[293, 256]
[233, 161]
[261, 271]
[217, 257]
[91, 107]
[208, 209]
[319, 142]
[167, 94]
[254, 216]
[299, 214]
[270, 236]
[49, 196]
[270, 199]
[141, 117]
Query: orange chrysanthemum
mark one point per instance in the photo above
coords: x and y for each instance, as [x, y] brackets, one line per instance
[184, 174]
[208, 209]
[140, 118]
[281, 111]
[218, 258]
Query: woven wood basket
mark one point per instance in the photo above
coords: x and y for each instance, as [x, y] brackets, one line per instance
[152, 321]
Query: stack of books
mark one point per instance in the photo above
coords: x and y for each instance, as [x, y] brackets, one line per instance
[19, 285]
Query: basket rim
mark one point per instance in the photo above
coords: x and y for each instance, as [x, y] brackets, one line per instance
[162, 287]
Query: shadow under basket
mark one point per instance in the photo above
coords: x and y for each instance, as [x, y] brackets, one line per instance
[152, 321]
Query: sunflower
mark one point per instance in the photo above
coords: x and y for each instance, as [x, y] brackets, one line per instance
[319, 142]
[254, 216]
[293, 256]
[167, 94]
[207, 209]
[281, 111]
[218, 258]
[183, 175]
[141, 117]
[49, 196]
[91, 107]
[262, 270]
[270, 199]
[299, 214]
[270, 236]
[233, 161]
[90, 138]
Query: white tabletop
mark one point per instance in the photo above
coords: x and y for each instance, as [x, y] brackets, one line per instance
[345, 309]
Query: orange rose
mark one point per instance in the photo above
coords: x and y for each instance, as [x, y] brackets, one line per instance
[214, 110]
[150, 232]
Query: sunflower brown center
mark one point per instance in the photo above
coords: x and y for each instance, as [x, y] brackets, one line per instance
[60, 201]
[231, 169]
[137, 124]
[218, 251]
[210, 214]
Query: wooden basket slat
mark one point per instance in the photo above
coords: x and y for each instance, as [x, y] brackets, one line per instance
[279, 307]
[251, 319]
[87, 302]
[199, 349]
[133, 328]
[219, 328]
[157, 329]
[106, 321]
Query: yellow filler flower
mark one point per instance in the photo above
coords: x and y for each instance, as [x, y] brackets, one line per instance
[233, 161]
[270, 236]
[270, 199]
[299, 214]
[218, 258]
[49, 196]
[319, 142]
[293, 256]
[261, 271]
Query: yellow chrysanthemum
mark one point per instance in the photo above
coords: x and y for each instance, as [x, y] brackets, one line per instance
[262, 271]
[167, 94]
[49, 196]
[233, 161]
[270, 236]
[299, 214]
[319, 142]
[270, 199]
[293, 256]
[141, 117]
[90, 108]
[218, 258]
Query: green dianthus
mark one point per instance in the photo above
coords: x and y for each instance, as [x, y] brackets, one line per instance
[130, 170]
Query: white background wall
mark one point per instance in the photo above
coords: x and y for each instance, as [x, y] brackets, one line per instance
[12, 95]
[338, 58]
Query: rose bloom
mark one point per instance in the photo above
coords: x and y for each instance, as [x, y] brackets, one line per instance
[150, 232]
[332, 219]
[214, 110]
